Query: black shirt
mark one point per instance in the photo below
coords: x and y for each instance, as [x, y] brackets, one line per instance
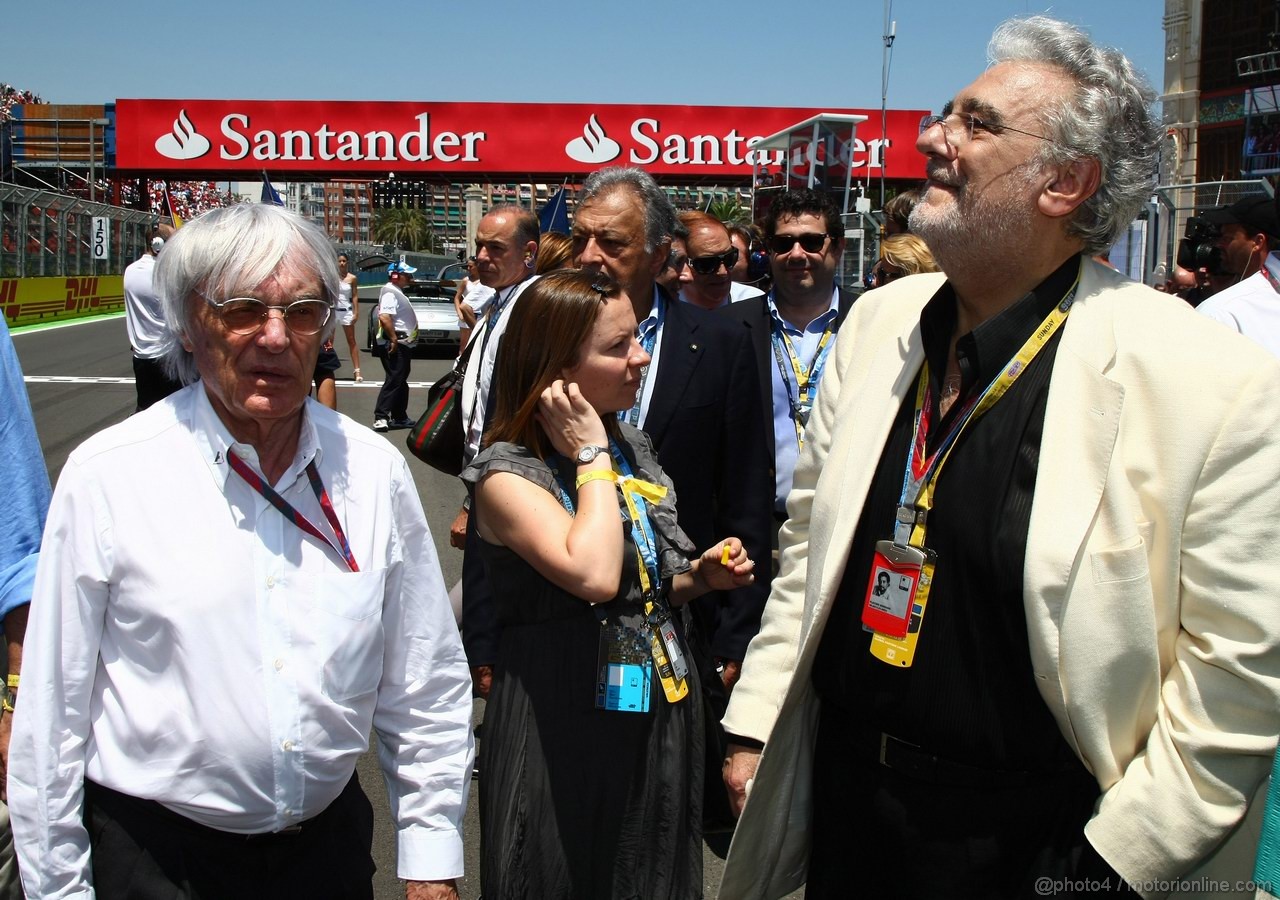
[971, 695]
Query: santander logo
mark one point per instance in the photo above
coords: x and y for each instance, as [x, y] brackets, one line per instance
[183, 142]
[594, 147]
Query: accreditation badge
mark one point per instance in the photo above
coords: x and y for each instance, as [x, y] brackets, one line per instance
[624, 668]
[900, 650]
[891, 589]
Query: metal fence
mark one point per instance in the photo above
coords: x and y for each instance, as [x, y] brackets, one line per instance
[46, 234]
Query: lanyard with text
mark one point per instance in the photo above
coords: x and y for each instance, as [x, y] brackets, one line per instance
[806, 381]
[256, 482]
[903, 568]
[648, 340]
[663, 639]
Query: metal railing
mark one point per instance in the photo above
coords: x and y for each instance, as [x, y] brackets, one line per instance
[47, 234]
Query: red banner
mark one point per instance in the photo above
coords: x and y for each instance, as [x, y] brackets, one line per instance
[337, 138]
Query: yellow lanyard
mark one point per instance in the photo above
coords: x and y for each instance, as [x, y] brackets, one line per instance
[805, 379]
[921, 476]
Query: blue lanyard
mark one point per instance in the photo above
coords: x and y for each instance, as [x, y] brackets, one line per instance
[648, 340]
[642, 533]
[801, 402]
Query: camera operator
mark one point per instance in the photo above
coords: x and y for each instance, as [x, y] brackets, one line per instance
[1223, 247]
[1248, 238]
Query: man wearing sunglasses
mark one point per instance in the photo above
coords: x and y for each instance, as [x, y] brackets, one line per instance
[398, 330]
[793, 327]
[1077, 480]
[712, 257]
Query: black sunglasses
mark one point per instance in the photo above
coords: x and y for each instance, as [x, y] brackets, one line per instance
[809, 242]
[709, 265]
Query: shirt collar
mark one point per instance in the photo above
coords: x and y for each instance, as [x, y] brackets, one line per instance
[655, 311]
[984, 351]
[819, 323]
[214, 442]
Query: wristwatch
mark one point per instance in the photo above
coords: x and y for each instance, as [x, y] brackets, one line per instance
[588, 453]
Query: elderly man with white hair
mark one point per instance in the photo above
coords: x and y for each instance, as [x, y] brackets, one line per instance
[235, 587]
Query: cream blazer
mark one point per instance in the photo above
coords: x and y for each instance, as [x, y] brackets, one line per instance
[1151, 583]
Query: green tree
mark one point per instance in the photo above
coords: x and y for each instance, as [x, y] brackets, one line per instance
[405, 227]
[729, 211]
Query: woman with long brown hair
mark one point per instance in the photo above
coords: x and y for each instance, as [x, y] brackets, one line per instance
[593, 758]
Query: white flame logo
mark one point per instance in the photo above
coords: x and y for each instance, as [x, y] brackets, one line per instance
[594, 146]
[184, 142]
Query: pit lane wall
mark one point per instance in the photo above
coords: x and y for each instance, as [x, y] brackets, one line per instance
[37, 301]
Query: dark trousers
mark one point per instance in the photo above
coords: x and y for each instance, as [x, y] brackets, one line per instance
[151, 382]
[393, 399]
[141, 851]
[881, 832]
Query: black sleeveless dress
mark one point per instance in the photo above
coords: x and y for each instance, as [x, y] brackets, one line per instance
[578, 802]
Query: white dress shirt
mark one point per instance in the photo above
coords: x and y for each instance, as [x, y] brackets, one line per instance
[475, 386]
[654, 320]
[393, 302]
[143, 317]
[1251, 307]
[194, 647]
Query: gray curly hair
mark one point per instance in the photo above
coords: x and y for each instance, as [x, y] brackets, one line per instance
[659, 214]
[1109, 118]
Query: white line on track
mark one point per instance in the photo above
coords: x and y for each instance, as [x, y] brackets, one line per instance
[102, 379]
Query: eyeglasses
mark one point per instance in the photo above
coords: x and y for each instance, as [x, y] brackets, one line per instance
[968, 123]
[709, 265]
[881, 277]
[809, 242]
[245, 315]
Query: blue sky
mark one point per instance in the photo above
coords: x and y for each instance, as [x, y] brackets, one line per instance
[749, 52]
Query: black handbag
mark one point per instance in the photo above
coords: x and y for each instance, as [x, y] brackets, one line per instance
[438, 437]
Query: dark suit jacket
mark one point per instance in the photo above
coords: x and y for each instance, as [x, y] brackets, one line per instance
[754, 314]
[705, 420]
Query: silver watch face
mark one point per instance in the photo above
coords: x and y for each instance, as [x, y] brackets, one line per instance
[586, 454]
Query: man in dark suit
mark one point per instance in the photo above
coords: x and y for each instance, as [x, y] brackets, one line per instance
[699, 400]
[793, 327]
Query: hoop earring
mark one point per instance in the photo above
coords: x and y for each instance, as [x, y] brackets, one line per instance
[528, 262]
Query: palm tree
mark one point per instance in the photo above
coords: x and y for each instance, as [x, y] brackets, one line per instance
[404, 227]
[729, 211]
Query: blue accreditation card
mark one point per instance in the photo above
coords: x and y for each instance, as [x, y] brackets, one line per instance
[625, 672]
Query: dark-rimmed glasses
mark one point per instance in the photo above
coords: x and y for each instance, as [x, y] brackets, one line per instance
[709, 265]
[967, 124]
[810, 242]
[247, 315]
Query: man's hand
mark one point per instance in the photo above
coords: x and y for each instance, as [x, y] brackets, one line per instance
[458, 530]
[739, 768]
[430, 890]
[731, 673]
[482, 678]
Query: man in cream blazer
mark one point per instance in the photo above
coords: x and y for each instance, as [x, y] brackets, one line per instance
[1151, 566]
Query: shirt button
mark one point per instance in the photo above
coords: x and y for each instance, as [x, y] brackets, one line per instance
[271, 581]
[287, 745]
[279, 664]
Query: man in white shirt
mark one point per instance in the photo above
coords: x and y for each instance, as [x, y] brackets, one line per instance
[506, 252]
[398, 330]
[147, 335]
[236, 586]
[1248, 238]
